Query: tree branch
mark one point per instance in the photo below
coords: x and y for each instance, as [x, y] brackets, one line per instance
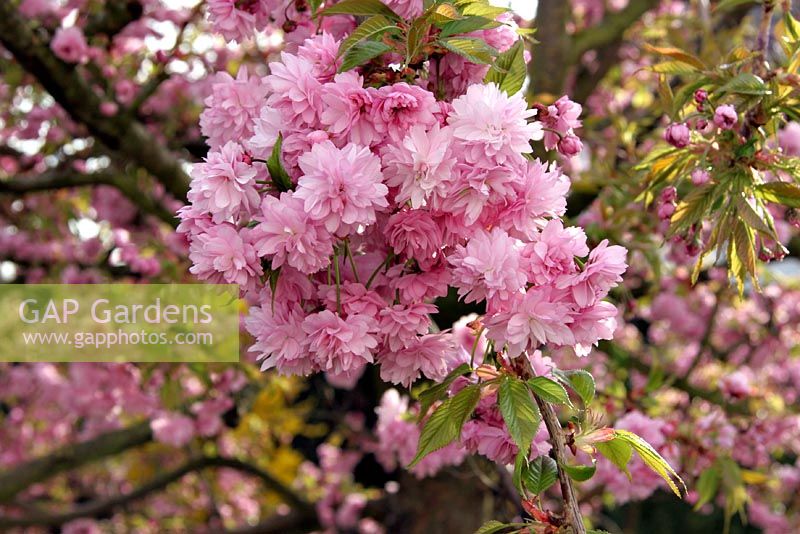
[65, 178]
[622, 358]
[71, 456]
[301, 509]
[121, 133]
[611, 29]
[572, 510]
[114, 17]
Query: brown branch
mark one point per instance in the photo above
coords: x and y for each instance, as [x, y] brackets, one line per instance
[120, 133]
[301, 508]
[611, 29]
[572, 510]
[71, 456]
[161, 75]
[66, 178]
[624, 359]
[114, 17]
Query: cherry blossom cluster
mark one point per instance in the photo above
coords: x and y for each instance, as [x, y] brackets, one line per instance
[390, 196]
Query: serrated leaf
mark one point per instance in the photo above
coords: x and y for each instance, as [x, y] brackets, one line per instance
[707, 486]
[416, 37]
[494, 527]
[438, 391]
[275, 168]
[444, 13]
[467, 25]
[744, 243]
[654, 461]
[444, 425]
[474, 50]
[673, 67]
[491, 527]
[618, 452]
[581, 382]
[784, 193]
[520, 468]
[580, 473]
[509, 70]
[542, 473]
[677, 54]
[362, 52]
[369, 29]
[549, 390]
[362, 8]
[762, 223]
[519, 411]
[692, 208]
[480, 9]
[745, 83]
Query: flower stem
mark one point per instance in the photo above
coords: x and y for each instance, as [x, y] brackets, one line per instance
[338, 282]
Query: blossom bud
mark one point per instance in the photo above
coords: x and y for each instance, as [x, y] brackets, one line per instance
[570, 146]
[669, 194]
[666, 210]
[725, 117]
[700, 176]
[677, 135]
[487, 372]
[700, 96]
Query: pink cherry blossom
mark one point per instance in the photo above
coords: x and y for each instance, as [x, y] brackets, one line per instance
[224, 184]
[341, 188]
[339, 345]
[286, 234]
[488, 267]
[69, 44]
[493, 125]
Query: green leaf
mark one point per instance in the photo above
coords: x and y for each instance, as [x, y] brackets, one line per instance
[444, 425]
[519, 412]
[678, 55]
[520, 469]
[467, 25]
[745, 84]
[494, 527]
[580, 473]
[673, 67]
[654, 461]
[581, 382]
[416, 37]
[509, 69]
[785, 193]
[743, 263]
[475, 50]
[549, 390]
[438, 391]
[362, 52]
[762, 222]
[692, 208]
[727, 5]
[541, 474]
[362, 8]
[369, 29]
[707, 486]
[618, 452]
[491, 527]
[483, 9]
[278, 174]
